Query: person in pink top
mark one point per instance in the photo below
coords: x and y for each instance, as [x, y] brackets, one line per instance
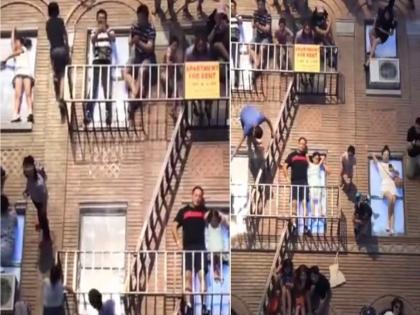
[348, 161]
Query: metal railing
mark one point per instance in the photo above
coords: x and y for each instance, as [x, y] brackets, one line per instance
[277, 145]
[161, 82]
[270, 207]
[208, 114]
[270, 285]
[271, 200]
[277, 58]
[102, 97]
[81, 268]
[161, 202]
[250, 61]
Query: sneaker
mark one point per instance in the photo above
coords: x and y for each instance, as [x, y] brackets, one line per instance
[30, 118]
[16, 119]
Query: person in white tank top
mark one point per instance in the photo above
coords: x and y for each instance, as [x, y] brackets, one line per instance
[215, 233]
[316, 164]
[23, 80]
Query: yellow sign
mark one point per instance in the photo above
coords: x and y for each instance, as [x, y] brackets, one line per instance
[202, 80]
[307, 58]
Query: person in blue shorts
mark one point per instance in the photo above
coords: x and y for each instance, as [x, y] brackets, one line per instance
[251, 119]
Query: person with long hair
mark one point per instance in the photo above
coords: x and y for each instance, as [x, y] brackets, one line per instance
[388, 187]
[286, 281]
[216, 223]
[36, 189]
[301, 289]
[320, 292]
[23, 81]
[383, 27]
[53, 292]
[316, 163]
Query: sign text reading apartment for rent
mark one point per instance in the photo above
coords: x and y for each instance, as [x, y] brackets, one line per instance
[202, 80]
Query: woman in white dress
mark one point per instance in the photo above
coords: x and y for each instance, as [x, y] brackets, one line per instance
[23, 80]
[388, 188]
[316, 183]
[216, 223]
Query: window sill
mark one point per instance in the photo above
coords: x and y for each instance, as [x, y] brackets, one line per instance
[7, 126]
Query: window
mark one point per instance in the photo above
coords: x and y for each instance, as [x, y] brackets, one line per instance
[118, 89]
[6, 77]
[380, 205]
[15, 267]
[385, 50]
[102, 230]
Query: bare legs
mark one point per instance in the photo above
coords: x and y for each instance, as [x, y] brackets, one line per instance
[27, 83]
[18, 97]
[188, 286]
[286, 301]
[374, 42]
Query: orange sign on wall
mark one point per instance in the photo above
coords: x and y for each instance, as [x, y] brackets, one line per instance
[202, 80]
[307, 58]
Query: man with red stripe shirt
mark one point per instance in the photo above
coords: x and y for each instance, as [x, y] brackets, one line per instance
[192, 218]
[298, 163]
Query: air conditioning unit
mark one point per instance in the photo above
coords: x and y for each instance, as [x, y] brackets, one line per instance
[8, 291]
[384, 73]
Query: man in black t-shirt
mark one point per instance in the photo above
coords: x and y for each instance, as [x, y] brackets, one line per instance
[192, 218]
[413, 150]
[298, 163]
[320, 292]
